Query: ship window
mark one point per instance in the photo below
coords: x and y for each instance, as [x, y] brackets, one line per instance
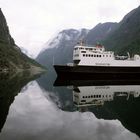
[89, 55]
[76, 55]
[99, 96]
[106, 55]
[83, 100]
[110, 55]
[91, 96]
[84, 55]
[88, 96]
[75, 95]
[103, 55]
[92, 55]
[83, 51]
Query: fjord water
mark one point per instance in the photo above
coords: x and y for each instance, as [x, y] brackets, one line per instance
[36, 110]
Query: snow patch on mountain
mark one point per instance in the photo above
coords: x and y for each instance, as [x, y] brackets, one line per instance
[65, 36]
[109, 30]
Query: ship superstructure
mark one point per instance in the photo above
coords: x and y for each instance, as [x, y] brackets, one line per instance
[98, 56]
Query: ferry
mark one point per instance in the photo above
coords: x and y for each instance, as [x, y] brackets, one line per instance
[96, 62]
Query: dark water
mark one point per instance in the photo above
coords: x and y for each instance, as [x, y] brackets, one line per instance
[71, 110]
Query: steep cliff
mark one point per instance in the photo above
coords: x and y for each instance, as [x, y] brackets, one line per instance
[126, 37]
[11, 57]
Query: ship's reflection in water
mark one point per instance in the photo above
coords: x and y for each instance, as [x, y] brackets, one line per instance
[98, 95]
[109, 102]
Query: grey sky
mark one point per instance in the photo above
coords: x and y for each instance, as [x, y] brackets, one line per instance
[33, 22]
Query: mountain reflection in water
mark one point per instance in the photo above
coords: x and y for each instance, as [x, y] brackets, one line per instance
[39, 114]
[10, 86]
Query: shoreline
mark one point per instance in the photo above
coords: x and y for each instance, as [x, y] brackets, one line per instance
[34, 70]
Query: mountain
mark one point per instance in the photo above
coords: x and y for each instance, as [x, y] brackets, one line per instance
[99, 32]
[61, 46]
[120, 37]
[126, 37]
[60, 49]
[11, 57]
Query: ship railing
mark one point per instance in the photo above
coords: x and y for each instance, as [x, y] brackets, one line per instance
[121, 57]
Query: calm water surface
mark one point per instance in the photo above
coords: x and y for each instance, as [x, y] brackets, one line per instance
[82, 110]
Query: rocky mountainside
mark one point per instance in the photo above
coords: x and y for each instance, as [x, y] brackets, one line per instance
[99, 32]
[60, 48]
[126, 37]
[11, 57]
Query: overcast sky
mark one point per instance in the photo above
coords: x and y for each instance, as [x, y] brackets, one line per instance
[33, 22]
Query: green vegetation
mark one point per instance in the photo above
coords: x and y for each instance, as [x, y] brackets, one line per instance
[126, 37]
[11, 57]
